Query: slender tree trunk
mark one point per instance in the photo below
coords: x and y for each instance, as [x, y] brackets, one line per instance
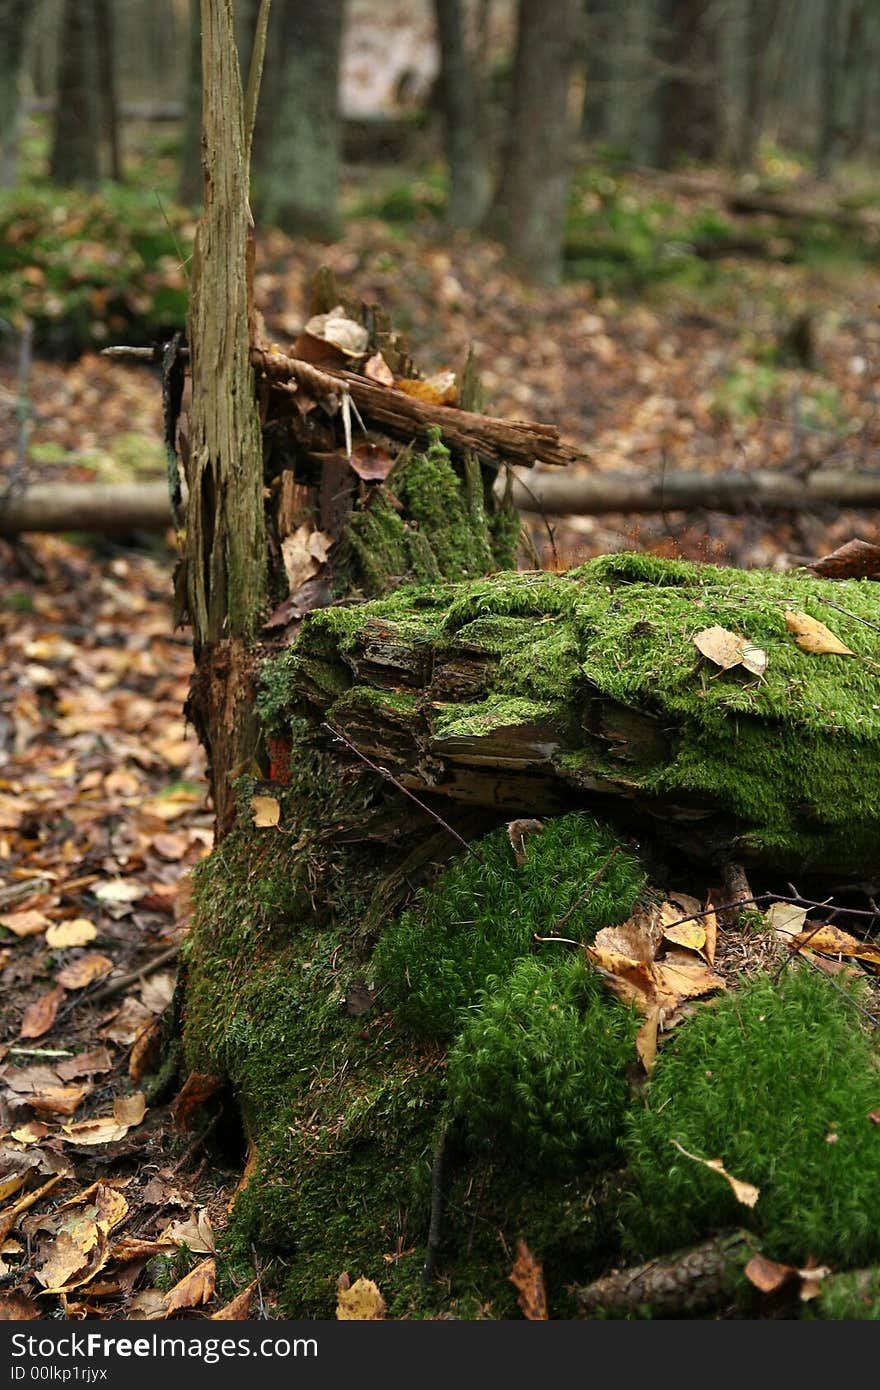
[831, 86]
[75, 143]
[14, 18]
[761, 21]
[105, 35]
[598, 25]
[297, 152]
[464, 119]
[688, 124]
[190, 187]
[531, 202]
[225, 552]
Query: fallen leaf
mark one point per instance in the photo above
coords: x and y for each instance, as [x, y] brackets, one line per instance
[39, 1016]
[158, 990]
[75, 1258]
[9, 1216]
[813, 636]
[17, 1307]
[377, 369]
[727, 649]
[690, 935]
[130, 1110]
[196, 1233]
[362, 1301]
[198, 1087]
[11, 1184]
[149, 1303]
[59, 1100]
[519, 832]
[371, 462]
[266, 811]
[101, 1130]
[79, 931]
[145, 1049]
[304, 553]
[785, 920]
[194, 1288]
[439, 389]
[27, 923]
[239, 1307]
[343, 332]
[127, 1022]
[710, 926]
[118, 890]
[856, 559]
[247, 1173]
[646, 1040]
[89, 1063]
[528, 1277]
[767, 1275]
[84, 971]
[744, 1192]
[30, 1133]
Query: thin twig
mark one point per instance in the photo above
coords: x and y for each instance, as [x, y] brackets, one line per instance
[847, 614]
[255, 76]
[389, 777]
[438, 1195]
[597, 876]
[116, 986]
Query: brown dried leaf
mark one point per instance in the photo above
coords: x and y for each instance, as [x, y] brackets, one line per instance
[744, 1192]
[785, 920]
[361, 1302]
[84, 971]
[304, 553]
[89, 1063]
[39, 1016]
[377, 369]
[26, 923]
[17, 1307]
[727, 649]
[102, 1130]
[343, 332]
[266, 811]
[239, 1307]
[636, 939]
[197, 1233]
[813, 636]
[130, 1110]
[767, 1275]
[149, 1303]
[856, 559]
[9, 1216]
[710, 926]
[519, 832]
[646, 1040]
[687, 976]
[146, 1046]
[59, 1100]
[194, 1289]
[371, 462]
[528, 1277]
[77, 932]
[198, 1087]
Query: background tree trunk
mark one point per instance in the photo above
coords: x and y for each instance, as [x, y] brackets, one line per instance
[75, 156]
[105, 38]
[464, 119]
[297, 149]
[687, 110]
[531, 202]
[14, 19]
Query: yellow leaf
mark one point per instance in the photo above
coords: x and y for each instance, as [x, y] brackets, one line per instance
[727, 649]
[744, 1192]
[195, 1288]
[266, 811]
[646, 1040]
[26, 923]
[82, 972]
[813, 636]
[77, 932]
[362, 1301]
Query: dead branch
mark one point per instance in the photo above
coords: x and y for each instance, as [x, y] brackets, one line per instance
[699, 1280]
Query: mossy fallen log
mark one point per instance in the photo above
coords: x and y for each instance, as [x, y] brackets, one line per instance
[536, 692]
[375, 993]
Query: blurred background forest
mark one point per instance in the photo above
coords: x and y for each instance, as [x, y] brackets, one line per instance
[657, 223]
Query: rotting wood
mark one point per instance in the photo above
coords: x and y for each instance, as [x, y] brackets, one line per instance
[700, 1280]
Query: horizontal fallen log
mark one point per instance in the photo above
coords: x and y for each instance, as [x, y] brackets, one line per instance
[536, 692]
[591, 494]
[119, 507]
[104, 507]
[683, 1285]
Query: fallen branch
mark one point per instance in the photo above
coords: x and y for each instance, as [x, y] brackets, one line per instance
[103, 507]
[590, 494]
[699, 1280]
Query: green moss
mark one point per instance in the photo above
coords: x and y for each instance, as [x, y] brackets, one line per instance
[482, 914]
[851, 1296]
[776, 1080]
[540, 1069]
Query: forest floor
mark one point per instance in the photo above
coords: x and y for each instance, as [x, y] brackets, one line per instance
[102, 788]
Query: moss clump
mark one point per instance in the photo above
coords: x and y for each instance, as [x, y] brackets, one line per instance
[778, 1081]
[482, 914]
[442, 531]
[849, 1297]
[540, 1067]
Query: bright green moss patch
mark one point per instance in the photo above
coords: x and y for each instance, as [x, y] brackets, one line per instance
[854, 1295]
[540, 1069]
[777, 1080]
[482, 915]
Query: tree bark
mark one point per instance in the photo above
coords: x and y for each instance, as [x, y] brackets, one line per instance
[530, 205]
[687, 93]
[75, 141]
[14, 18]
[105, 37]
[297, 148]
[190, 186]
[464, 119]
[224, 556]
